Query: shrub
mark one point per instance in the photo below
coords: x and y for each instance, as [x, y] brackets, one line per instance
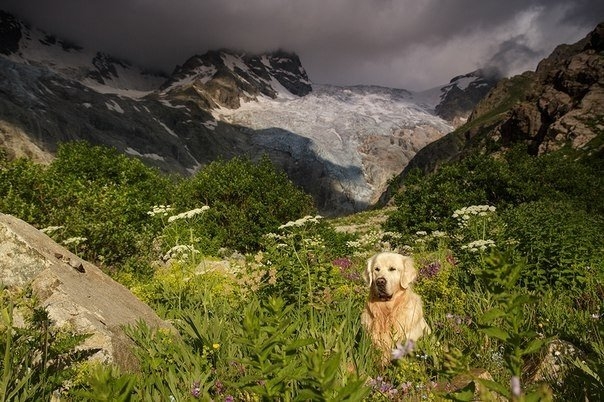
[558, 240]
[93, 193]
[246, 200]
[425, 202]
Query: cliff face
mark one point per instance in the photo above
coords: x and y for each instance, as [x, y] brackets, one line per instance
[563, 103]
[560, 104]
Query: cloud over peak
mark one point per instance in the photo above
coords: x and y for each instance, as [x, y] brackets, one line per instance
[412, 44]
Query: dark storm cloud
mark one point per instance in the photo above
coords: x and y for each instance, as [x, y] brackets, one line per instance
[406, 43]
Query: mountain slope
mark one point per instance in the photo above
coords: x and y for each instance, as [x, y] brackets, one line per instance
[560, 104]
[342, 145]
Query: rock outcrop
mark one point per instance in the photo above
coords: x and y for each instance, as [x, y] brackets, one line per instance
[73, 291]
[461, 95]
[560, 104]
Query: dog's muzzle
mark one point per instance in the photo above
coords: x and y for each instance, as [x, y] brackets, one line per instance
[382, 293]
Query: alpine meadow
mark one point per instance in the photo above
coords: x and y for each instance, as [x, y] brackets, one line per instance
[244, 223]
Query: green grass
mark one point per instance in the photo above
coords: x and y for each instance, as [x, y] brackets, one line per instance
[282, 321]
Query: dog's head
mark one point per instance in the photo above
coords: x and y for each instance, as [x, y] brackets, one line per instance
[387, 273]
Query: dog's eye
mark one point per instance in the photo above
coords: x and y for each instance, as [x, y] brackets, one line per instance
[377, 269]
[391, 269]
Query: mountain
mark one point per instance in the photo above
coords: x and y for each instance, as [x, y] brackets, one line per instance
[461, 95]
[341, 144]
[559, 105]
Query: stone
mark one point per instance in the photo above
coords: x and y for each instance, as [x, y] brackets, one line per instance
[553, 363]
[73, 291]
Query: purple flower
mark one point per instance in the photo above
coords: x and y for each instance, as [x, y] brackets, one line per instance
[430, 270]
[515, 386]
[402, 350]
[229, 398]
[343, 263]
[219, 387]
[380, 385]
[346, 268]
[195, 389]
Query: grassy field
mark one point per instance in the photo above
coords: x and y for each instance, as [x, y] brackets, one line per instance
[509, 254]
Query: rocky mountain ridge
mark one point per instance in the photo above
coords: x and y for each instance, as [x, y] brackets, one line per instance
[560, 104]
[341, 145]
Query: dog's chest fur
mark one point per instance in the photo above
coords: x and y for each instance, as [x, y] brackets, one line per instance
[384, 318]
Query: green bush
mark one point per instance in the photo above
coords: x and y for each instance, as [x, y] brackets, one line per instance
[426, 202]
[558, 240]
[93, 194]
[247, 200]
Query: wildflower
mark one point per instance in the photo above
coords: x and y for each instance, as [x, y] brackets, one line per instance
[188, 214]
[465, 212]
[272, 276]
[229, 398]
[343, 263]
[74, 240]
[160, 210]
[302, 221]
[195, 389]
[430, 270]
[402, 350]
[463, 215]
[380, 385]
[346, 269]
[218, 387]
[421, 233]
[216, 346]
[478, 245]
[51, 229]
[180, 252]
[515, 386]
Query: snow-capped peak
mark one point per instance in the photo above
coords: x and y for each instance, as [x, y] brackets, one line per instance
[226, 78]
[94, 69]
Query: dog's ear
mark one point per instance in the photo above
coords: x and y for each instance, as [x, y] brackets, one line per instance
[367, 273]
[408, 271]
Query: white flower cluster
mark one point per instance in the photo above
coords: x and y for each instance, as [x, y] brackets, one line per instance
[75, 240]
[315, 242]
[424, 236]
[435, 234]
[189, 214]
[477, 210]
[180, 252]
[302, 221]
[478, 245]
[374, 240]
[463, 215]
[51, 229]
[160, 210]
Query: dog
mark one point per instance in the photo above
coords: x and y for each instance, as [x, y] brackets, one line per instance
[393, 312]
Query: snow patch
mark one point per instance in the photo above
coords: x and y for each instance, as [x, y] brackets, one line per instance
[463, 82]
[114, 106]
[210, 124]
[168, 129]
[134, 152]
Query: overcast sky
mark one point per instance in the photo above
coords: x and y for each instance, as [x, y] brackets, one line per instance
[412, 44]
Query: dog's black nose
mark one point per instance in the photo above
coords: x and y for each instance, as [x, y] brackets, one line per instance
[380, 282]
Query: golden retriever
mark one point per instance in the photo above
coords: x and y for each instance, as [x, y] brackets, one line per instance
[393, 313]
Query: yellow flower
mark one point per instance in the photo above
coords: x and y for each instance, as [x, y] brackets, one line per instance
[216, 345]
